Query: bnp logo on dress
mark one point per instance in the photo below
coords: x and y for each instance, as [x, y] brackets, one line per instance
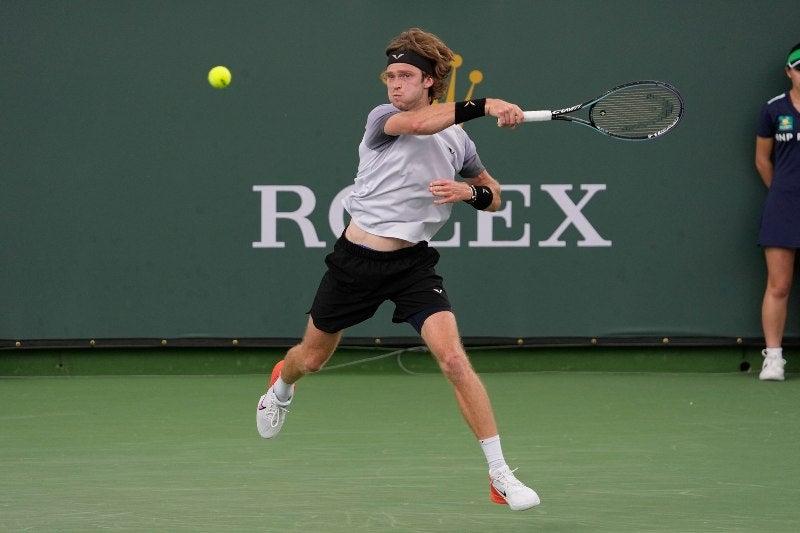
[785, 123]
[475, 77]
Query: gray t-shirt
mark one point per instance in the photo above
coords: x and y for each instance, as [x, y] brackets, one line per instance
[391, 196]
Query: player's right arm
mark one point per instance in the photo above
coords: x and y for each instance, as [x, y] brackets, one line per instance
[435, 118]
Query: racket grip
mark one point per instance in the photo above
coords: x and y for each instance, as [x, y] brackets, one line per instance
[536, 116]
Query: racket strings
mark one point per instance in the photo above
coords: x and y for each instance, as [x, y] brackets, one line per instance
[637, 112]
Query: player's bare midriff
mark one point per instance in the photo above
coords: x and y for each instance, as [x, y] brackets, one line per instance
[357, 235]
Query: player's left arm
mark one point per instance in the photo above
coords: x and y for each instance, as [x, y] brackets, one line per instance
[487, 180]
[450, 191]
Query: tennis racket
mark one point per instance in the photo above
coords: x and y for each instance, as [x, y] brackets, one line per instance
[635, 111]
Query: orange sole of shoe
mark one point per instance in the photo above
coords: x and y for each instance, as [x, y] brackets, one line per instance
[495, 496]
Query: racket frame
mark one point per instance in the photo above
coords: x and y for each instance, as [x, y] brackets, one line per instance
[562, 114]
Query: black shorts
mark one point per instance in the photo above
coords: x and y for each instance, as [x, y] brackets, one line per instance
[359, 280]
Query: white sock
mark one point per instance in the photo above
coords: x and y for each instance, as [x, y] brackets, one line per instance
[283, 391]
[775, 352]
[494, 452]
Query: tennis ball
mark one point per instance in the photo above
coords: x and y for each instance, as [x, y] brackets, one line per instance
[219, 77]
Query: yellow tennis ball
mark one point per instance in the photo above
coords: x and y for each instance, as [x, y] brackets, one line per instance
[219, 77]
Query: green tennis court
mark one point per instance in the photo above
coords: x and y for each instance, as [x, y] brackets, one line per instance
[383, 448]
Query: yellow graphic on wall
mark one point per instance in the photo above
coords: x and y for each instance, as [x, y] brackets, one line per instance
[475, 77]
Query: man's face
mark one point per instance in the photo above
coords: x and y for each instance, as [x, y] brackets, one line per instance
[406, 85]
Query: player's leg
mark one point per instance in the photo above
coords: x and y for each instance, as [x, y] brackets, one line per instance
[310, 355]
[780, 269]
[440, 333]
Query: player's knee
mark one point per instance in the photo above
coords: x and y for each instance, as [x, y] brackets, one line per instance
[311, 361]
[455, 366]
[314, 365]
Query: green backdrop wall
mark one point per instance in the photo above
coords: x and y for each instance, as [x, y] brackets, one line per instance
[140, 202]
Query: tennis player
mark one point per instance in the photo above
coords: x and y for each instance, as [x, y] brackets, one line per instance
[778, 163]
[405, 189]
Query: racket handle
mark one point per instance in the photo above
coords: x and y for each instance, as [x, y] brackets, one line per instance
[536, 116]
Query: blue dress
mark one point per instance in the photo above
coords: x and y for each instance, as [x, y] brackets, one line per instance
[780, 219]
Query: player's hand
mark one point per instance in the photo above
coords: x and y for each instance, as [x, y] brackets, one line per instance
[508, 115]
[449, 191]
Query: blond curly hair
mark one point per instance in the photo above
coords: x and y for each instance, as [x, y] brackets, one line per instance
[427, 45]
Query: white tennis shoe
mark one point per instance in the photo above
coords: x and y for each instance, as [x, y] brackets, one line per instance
[772, 369]
[271, 412]
[505, 488]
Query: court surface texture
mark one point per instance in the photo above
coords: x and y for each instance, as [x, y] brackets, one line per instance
[382, 447]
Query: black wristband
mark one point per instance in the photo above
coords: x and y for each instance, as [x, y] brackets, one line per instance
[482, 197]
[470, 109]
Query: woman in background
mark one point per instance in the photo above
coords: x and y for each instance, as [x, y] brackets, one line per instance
[778, 163]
